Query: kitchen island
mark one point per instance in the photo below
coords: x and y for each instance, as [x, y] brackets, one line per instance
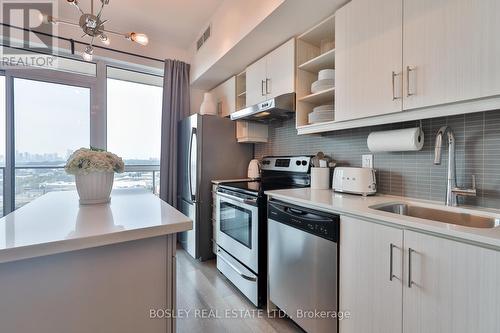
[66, 267]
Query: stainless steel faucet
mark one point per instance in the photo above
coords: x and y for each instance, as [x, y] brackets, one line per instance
[452, 191]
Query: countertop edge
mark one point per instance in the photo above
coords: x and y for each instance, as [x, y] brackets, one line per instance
[69, 245]
[470, 238]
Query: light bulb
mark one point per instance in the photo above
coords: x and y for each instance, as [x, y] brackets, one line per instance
[104, 39]
[138, 38]
[88, 53]
[46, 19]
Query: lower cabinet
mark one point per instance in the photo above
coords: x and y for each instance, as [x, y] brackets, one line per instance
[438, 285]
[455, 287]
[368, 290]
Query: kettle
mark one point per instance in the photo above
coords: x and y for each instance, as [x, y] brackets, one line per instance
[254, 169]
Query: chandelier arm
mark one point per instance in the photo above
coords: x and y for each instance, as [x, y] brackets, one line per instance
[58, 20]
[115, 32]
[100, 10]
[78, 7]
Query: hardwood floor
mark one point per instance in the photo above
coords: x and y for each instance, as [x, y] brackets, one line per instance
[206, 293]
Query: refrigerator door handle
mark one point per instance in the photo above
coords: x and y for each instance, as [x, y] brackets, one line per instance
[192, 187]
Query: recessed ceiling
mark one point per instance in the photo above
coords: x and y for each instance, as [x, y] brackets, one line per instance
[173, 22]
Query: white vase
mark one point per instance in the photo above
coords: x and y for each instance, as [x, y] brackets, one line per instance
[94, 188]
[208, 105]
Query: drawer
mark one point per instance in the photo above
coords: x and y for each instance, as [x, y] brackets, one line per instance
[244, 279]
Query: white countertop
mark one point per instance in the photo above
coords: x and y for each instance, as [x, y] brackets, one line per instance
[358, 206]
[56, 223]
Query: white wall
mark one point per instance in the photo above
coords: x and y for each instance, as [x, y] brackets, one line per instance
[232, 21]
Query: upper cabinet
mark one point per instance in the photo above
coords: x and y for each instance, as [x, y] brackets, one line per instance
[451, 51]
[368, 38]
[402, 60]
[281, 70]
[224, 96]
[256, 75]
[272, 75]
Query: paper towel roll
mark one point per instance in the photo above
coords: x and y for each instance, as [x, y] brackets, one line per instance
[408, 139]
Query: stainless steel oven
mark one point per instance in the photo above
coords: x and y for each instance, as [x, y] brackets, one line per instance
[237, 222]
[241, 226]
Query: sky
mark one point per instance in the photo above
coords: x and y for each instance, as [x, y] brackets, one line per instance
[134, 119]
[53, 118]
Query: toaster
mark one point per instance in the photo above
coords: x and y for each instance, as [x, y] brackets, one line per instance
[354, 180]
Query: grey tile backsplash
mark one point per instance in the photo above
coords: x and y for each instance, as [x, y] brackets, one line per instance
[410, 174]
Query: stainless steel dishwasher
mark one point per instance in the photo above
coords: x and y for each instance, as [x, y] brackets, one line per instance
[303, 265]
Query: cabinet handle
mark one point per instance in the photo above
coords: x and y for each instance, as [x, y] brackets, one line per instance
[394, 74]
[268, 81]
[408, 71]
[262, 83]
[410, 282]
[391, 274]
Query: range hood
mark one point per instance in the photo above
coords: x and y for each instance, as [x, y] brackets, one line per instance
[278, 108]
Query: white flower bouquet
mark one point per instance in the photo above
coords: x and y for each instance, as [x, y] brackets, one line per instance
[94, 171]
[85, 161]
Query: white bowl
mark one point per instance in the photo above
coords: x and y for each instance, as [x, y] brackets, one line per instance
[314, 118]
[327, 107]
[326, 74]
[321, 85]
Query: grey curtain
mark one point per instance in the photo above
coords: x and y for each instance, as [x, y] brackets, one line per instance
[175, 108]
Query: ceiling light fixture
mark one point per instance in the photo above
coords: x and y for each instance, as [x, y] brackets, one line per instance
[93, 26]
[88, 53]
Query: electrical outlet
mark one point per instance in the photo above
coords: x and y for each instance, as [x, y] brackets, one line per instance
[367, 161]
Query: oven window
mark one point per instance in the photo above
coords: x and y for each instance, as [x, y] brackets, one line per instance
[236, 222]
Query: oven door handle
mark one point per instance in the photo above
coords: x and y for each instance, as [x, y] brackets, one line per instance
[240, 273]
[252, 202]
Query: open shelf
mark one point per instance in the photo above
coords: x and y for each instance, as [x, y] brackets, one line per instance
[241, 91]
[323, 61]
[311, 60]
[323, 30]
[315, 128]
[322, 97]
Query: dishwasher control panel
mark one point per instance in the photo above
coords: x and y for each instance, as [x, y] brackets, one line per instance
[317, 223]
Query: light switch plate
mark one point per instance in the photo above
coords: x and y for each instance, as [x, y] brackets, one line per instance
[367, 161]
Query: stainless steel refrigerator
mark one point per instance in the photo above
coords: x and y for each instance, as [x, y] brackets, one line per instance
[208, 150]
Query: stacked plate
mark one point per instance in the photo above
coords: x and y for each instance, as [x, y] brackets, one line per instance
[321, 114]
[326, 80]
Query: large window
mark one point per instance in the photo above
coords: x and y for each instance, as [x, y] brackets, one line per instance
[51, 121]
[134, 102]
[46, 114]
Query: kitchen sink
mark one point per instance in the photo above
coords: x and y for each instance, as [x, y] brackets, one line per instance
[446, 216]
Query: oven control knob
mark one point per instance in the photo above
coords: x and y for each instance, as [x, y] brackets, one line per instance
[297, 162]
[304, 162]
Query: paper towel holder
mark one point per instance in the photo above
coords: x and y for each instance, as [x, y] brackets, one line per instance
[421, 131]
